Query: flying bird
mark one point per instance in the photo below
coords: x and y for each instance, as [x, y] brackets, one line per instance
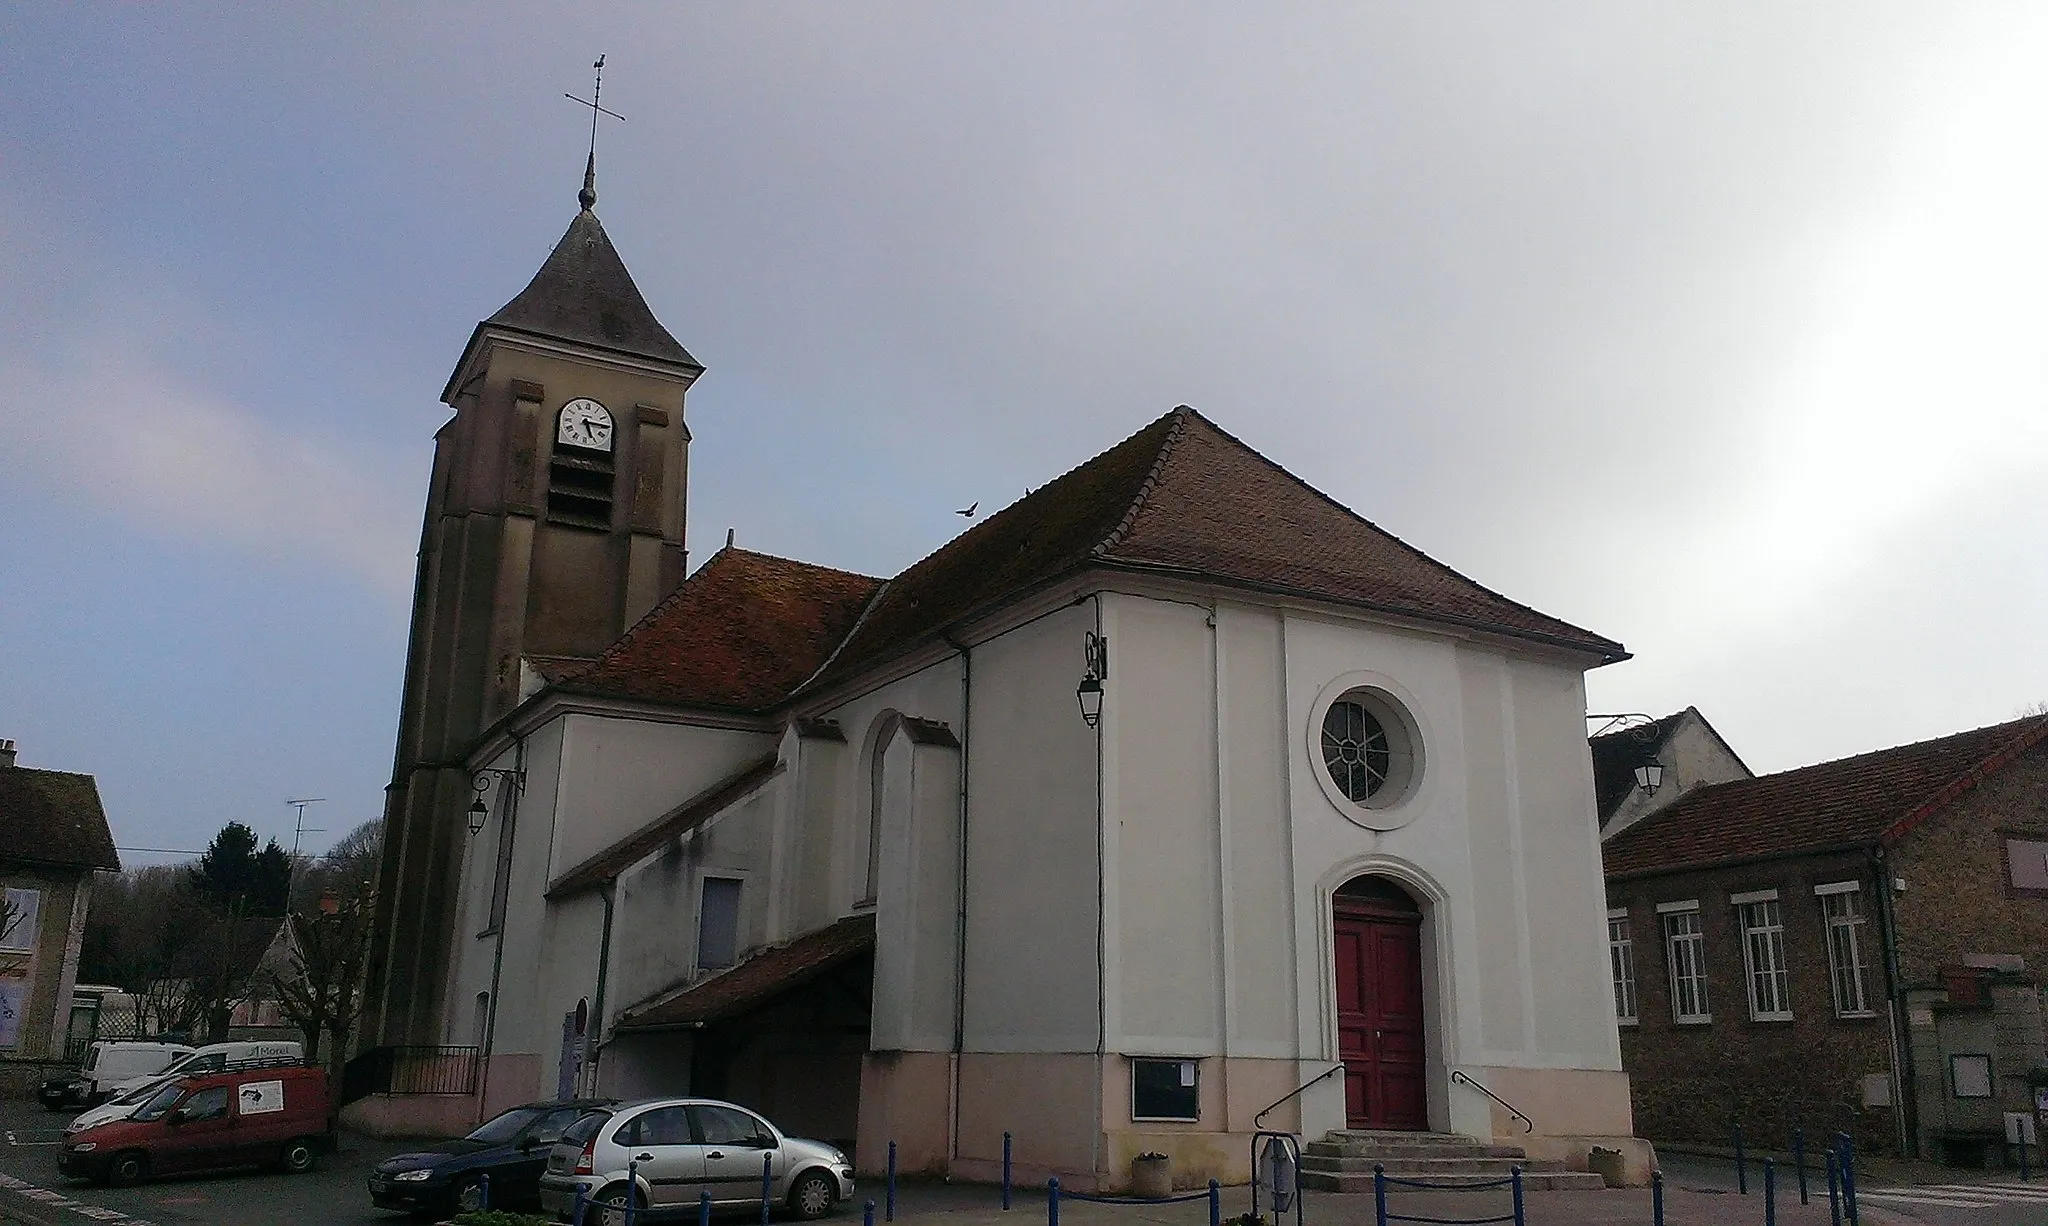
[969, 512]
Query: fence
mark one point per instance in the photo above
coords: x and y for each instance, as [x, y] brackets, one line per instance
[1053, 1194]
[1381, 1181]
[410, 1070]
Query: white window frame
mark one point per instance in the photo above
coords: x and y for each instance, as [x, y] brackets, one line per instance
[1761, 917]
[1670, 916]
[21, 938]
[1848, 928]
[1621, 965]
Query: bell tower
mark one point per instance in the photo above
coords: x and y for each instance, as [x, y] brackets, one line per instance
[554, 520]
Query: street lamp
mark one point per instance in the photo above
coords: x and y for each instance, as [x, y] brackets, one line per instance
[1649, 776]
[480, 783]
[1642, 729]
[1095, 649]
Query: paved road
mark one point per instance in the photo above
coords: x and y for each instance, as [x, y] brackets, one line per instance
[1969, 1199]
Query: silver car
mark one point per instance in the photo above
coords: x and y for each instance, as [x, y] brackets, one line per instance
[663, 1154]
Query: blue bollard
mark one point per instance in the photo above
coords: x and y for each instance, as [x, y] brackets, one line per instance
[576, 1215]
[1849, 1181]
[1515, 1175]
[703, 1209]
[767, 1184]
[889, 1208]
[483, 1190]
[1052, 1201]
[1379, 1195]
[1799, 1159]
[1215, 1204]
[1770, 1192]
[1656, 1198]
[867, 1213]
[1006, 1171]
[2024, 1173]
[1741, 1164]
[632, 1189]
[1834, 1189]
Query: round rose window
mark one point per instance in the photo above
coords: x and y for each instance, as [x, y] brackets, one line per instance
[1356, 749]
[1369, 750]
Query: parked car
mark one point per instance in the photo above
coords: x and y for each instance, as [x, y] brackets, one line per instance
[130, 1093]
[64, 1092]
[249, 1117]
[661, 1154]
[510, 1151]
[107, 1063]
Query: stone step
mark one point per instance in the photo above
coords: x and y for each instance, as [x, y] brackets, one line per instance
[1548, 1181]
[1423, 1168]
[1463, 1147]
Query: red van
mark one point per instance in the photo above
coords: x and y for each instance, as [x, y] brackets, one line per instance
[277, 1116]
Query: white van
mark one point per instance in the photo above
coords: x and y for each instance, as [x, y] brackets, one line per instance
[107, 1063]
[131, 1092]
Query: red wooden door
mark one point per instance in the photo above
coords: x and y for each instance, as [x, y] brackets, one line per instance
[1379, 1019]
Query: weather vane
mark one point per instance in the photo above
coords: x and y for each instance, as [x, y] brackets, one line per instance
[588, 195]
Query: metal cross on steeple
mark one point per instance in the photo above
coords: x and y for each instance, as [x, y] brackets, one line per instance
[588, 196]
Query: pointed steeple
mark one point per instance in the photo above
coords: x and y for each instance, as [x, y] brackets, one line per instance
[588, 196]
[583, 293]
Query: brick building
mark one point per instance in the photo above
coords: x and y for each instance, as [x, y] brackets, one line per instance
[1850, 946]
[53, 837]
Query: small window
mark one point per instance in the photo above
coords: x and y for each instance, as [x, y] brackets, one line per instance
[1685, 950]
[718, 923]
[1763, 958]
[1842, 910]
[19, 922]
[1166, 1090]
[1970, 1076]
[1368, 749]
[580, 1132]
[1621, 959]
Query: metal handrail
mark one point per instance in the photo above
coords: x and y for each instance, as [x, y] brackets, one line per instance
[1458, 1077]
[1258, 1120]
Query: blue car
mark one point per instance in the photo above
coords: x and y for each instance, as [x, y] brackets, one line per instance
[502, 1159]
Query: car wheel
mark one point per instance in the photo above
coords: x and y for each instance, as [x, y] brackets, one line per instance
[298, 1157]
[131, 1167]
[812, 1194]
[469, 1196]
[611, 1205]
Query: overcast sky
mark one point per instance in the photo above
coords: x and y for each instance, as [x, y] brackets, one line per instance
[1717, 331]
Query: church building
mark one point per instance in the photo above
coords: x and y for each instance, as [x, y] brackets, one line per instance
[1169, 789]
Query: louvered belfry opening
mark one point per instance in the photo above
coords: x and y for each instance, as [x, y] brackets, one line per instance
[580, 486]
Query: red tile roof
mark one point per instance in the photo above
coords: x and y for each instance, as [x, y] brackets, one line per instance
[1179, 497]
[757, 979]
[1183, 497]
[740, 633]
[53, 819]
[1860, 801]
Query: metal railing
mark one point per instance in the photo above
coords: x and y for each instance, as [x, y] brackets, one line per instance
[1259, 1120]
[410, 1070]
[1458, 1077]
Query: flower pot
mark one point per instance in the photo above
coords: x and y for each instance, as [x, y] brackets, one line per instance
[1152, 1178]
[1607, 1164]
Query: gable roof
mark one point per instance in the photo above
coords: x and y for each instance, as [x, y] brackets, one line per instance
[1864, 800]
[583, 293]
[756, 980]
[1183, 497]
[740, 634]
[53, 819]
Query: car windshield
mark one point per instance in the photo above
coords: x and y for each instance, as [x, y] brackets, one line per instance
[159, 1103]
[504, 1128]
[141, 1092]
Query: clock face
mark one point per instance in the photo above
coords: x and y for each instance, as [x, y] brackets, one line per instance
[585, 423]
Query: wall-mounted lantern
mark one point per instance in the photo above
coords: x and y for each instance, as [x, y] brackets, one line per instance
[479, 812]
[1095, 649]
[1649, 776]
[1642, 729]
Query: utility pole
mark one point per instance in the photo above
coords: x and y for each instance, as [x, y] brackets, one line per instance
[299, 830]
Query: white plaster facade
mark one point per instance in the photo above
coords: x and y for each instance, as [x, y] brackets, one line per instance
[1158, 886]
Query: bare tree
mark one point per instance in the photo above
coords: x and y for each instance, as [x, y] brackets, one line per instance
[322, 989]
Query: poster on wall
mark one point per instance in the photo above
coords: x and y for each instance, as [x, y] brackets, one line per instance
[13, 1000]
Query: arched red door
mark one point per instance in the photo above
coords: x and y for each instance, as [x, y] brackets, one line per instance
[1379, 1005]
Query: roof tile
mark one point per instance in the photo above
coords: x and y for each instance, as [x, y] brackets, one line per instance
[1847, 802]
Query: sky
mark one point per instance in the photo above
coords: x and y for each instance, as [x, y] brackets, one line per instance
[1716, 329]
